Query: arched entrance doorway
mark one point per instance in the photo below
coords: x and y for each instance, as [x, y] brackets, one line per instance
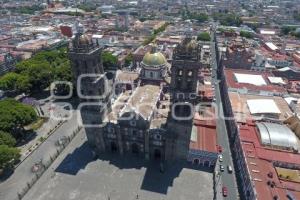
[157, 154]
[113, 147]
[196, 161]
[135, 148]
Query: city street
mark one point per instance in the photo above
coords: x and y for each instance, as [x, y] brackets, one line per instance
[227, 179]
[55, 114]
[9, 188]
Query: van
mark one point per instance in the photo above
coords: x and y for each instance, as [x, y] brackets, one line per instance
[229, 168]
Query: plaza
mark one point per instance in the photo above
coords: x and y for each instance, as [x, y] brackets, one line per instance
[76, 174]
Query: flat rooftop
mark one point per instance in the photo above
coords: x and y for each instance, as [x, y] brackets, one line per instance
[242, 112]
[204, 132]
[251, 80]
[143, 100]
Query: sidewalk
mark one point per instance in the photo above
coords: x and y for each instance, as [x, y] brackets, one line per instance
[45, 130]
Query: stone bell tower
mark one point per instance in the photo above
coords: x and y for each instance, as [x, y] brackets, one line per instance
[183, 89]
[92, 83]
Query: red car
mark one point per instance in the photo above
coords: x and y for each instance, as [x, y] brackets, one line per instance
[224, 191]
[219, 148]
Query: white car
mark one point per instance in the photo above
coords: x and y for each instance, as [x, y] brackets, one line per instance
[220, 158]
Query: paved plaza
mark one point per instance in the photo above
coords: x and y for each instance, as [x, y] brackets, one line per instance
[75, 175]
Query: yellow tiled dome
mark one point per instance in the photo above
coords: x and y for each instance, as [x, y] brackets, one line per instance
[154, 59]
[84, 40]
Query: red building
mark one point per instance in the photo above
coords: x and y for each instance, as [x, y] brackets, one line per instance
[66, 30]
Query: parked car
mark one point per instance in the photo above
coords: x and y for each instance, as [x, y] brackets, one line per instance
[220, 149]
[221, 168]
[229, 168]
[220, 158]
[224, 191]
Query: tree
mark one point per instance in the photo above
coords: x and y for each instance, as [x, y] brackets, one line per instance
[287, 29]
[246, 34]
[297, 16]
[128, 59]
[160, 29]
[15, 82]
[109, 60]
[228, 19]
[296, 34]
[36, 73]
[7, 139]
[14, 116]
[204, 36]
[8, 155]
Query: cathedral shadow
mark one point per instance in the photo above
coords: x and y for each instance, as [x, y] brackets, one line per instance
[127, 161]
[76, 161]
[158, 177]
[159, 181]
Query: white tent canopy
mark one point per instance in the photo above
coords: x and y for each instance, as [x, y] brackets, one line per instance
[262, 106]
[250, 79]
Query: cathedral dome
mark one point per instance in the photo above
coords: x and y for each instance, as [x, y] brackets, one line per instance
[192, 44]
[84, 40]
[154, 58]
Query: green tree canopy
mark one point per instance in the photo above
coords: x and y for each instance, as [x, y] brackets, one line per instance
[8, 155]
[228, 19]
[296, 34]
[203, 36]
[287, 29]
[128, 59]
[246, 34]
[297, 16]
[36, 73]
[15, 82]
[14, 116]
[109, 60]
[7, 139]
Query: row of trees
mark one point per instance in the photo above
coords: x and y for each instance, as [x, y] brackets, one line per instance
[203, 36]
[292, 30]
[110, 61]
[36, 73]
[246, 34]
[14, 116]
[26, 9]
[187, 14]
[228, 19]
[151, 38]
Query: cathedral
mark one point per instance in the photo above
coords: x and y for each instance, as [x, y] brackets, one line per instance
[147, 112]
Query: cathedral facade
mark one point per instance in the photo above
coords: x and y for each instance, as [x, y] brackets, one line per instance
[147, 112]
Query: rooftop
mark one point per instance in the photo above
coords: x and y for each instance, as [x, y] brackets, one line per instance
[277, 135]
[262, 106]
[254, 107]
[261, 162]
[204, 133]
[143, 100]
[251, 80]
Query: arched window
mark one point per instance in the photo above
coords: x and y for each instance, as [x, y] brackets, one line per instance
[151, 74]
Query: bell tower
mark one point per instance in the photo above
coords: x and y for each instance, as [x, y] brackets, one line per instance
[183, 89]
[93, 85]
